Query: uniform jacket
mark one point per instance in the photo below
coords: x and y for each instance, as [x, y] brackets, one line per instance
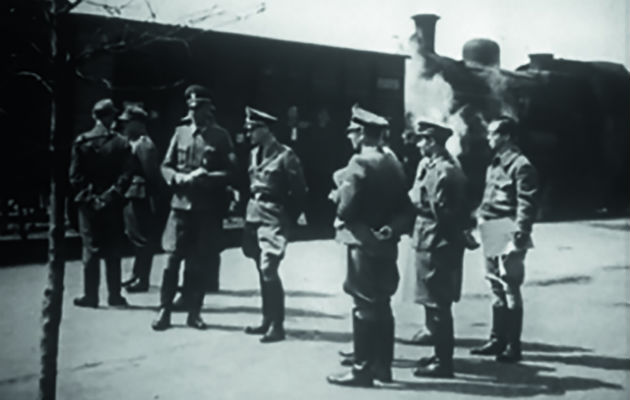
[511, 188]
[439, 196]
[277, 186]
[371, 192]
[146, 177]
[100, 167]
[208, 147]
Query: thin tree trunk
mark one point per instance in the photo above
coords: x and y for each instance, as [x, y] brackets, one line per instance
[53, 294]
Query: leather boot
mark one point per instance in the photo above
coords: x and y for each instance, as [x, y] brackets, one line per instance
[347, 356]
[170, 275]
[266, 318]
[275, 332]
[512, 352]
[163, 320]
[361, 374]
[141, 271]
[497, 341]
[259, 329]
[442, 364]
[384, 351]
[426, 361]
[112, 273]
[194, 320]
[212, 280]
[138, 286]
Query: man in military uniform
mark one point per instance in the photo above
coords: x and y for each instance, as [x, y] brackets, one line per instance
[139, 212]
[373, 210]
[196, 166]
[439, 196]
[100, 172]
[510, 192]
[278, 192]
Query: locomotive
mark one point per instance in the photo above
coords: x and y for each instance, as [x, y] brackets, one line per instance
[574, 118]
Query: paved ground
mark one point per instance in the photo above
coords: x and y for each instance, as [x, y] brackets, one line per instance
[577, 325]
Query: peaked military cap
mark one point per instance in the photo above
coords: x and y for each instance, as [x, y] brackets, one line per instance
[133, 112]
[104, 107]
[254, 117]
[197, 95]
[366, 118]
[438, 132]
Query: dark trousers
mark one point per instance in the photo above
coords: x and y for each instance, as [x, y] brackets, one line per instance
[193, 237]
[441, 321]
[266, 245]
[143, 259]
[101, 235]
[271, 289]
[373, 336]
[92, 276]
[195, 285]
[140, 229]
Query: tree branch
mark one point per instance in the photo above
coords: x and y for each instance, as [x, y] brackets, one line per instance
[108, 84]
[38, 78]
[151, 11]
[69, 7]
[111, 10]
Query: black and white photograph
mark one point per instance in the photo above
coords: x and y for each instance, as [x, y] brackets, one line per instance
[297, 199]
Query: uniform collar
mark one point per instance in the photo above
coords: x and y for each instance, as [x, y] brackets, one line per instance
[440, 155]
[273, 149]
[370, 150]
[506, 156]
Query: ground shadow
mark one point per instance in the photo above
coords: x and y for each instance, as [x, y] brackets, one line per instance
[297, 334]
[527, 346]
[564, 280]
[482, 377]
[289, 312]
[585, 360]
[611, 225]
[256, 292]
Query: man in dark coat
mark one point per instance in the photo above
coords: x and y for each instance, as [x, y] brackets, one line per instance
[277, 196]
[373, 209]
[439, 195]
[100, 172]
[140, 208]
[196, 166]
[511, 191]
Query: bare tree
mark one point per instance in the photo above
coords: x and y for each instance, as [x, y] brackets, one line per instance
[38, 27]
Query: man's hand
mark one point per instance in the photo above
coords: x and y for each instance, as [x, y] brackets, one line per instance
[196, 173]
[333, 196]
[384, 233]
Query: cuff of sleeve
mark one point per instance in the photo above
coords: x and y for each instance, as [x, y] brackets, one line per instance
[176, 179]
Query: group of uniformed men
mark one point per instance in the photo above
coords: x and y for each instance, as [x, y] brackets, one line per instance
[115, 178]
